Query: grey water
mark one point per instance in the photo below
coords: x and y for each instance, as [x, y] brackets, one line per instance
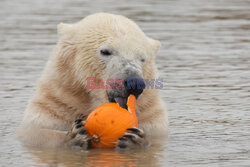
[204, 61]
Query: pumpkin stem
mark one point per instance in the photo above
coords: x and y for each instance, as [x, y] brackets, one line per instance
[131, 107]
[131, 103]
[95, 138]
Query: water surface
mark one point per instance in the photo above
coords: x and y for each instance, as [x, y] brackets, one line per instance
[204, 60]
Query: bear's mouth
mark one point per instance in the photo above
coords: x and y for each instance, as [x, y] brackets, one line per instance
[122, 101]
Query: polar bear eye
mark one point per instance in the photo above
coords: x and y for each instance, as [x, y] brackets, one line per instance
[142, 60]
[106, 52]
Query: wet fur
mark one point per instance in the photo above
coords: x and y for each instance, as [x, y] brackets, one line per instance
[61, 96]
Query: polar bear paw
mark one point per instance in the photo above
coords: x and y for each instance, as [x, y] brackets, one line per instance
[133, 139]
[77, 136]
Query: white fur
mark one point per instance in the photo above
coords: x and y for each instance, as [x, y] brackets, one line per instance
[62, 96]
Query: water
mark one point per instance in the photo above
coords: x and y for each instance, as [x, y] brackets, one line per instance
[204, 60]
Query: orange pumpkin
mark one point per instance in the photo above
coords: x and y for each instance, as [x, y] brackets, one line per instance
[109, 121]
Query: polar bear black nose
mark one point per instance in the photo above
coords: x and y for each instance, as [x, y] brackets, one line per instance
[134, 86]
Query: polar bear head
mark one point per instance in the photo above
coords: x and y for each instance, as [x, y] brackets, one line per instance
[108, 49]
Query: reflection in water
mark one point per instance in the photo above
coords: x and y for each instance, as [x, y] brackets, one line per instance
[97, 157]
[204, 61]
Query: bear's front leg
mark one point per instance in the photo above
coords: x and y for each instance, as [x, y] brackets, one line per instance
[133, 139]
[77, 136]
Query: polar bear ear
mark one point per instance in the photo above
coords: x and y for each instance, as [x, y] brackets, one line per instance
[65, 31]
[155, 44]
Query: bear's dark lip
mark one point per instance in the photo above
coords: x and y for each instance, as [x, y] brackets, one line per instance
[122, 101]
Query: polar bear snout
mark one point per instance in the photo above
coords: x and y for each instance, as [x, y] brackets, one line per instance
[134, 86]
[129, 85]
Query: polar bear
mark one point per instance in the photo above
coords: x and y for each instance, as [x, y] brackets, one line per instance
[99, 46]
